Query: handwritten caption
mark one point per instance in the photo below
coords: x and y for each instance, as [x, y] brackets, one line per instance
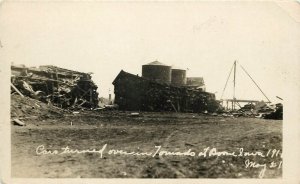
[159, 151]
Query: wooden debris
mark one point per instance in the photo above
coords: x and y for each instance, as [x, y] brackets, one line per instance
[16, 89]
[53, 85]
[134, 114]
[189, 144]
[18, 122]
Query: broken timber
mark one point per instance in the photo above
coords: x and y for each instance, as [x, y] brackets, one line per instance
[61, 87]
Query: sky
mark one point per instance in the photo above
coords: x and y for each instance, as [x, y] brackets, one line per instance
[205, 37]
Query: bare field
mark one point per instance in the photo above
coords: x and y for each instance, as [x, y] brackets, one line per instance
[173, 132]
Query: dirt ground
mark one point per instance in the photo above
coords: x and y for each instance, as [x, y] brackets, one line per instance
[173, 132]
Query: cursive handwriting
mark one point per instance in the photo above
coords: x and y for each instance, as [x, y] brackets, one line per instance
[40, 150]
[252, 164]
[160, 151]
[67, 150]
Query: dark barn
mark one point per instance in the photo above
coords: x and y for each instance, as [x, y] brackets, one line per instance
[136, 93]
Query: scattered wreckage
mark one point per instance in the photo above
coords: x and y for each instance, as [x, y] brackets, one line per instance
[57, 86]
[258, 110]
[75, 91]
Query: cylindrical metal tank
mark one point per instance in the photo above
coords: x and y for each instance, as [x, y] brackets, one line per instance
[157, 71]
[178, 77]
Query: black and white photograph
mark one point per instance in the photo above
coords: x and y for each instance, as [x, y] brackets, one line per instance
[151, 90]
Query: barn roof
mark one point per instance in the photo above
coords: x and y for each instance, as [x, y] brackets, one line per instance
[195, 81]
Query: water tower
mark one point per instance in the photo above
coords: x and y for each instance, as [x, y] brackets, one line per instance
[178, 77]
[157, 71]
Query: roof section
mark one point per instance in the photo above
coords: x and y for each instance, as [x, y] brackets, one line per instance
[55, 69]
[195, 81]
[156, 63]
[122, 73]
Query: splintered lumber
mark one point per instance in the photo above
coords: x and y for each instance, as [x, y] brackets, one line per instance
[13, 86]
[60, 87]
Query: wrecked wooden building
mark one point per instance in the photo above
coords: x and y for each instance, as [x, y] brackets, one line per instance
[136, 93]
[57, 86]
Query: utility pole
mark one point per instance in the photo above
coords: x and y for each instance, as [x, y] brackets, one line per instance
[234, 101]
[234, 75]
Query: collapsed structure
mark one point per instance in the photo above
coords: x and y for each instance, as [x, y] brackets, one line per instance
[57, 86]
[157, 90]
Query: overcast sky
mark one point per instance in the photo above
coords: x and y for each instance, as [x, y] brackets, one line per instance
[206, 37]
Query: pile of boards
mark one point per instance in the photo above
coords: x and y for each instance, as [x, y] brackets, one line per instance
[259, 110]
[56, 86]
[179, 99]
[277, 112]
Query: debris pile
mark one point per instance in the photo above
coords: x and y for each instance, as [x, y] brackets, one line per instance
[56, 86]
[28, 108]
[258, 110]
[138, 93]
[277, 113]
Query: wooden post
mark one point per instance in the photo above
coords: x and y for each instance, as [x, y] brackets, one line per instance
[91, 96]
[178, 106]
[16, 89]
[226, 104]
[52, 88]
[57, 84]
[234, 81]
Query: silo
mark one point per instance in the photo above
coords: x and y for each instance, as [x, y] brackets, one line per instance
[178, 77]
[157, 71]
